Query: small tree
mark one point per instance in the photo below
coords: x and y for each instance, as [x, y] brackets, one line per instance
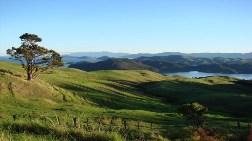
[193, 112]
[34, 58]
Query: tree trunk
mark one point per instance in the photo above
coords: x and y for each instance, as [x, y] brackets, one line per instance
[29, 73]
[29, 76]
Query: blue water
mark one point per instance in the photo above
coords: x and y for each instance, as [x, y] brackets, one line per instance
[192, 74]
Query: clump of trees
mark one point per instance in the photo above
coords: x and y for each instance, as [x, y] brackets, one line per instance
[34, 58]
[193, 113]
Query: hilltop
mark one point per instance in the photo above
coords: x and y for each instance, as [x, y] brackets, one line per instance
[125, 94]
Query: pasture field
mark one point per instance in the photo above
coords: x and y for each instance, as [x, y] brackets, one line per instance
[118, 105]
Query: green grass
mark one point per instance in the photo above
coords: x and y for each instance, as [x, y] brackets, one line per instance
[219, 94]
[119, 94]
[31, 131]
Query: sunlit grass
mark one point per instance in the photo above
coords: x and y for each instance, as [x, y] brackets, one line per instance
[133, 95]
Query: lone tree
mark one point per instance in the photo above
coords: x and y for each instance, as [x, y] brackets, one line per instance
[34, 58]
[193, 112]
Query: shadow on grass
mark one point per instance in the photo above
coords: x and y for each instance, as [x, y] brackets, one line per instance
[234, 99]
[116, 99]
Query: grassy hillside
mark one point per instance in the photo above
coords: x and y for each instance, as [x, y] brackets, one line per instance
[221, 94]
[119, 94]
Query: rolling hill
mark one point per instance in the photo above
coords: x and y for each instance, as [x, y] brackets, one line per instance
[193, 61]
[112, 64]
[135, 95]
[174, 63]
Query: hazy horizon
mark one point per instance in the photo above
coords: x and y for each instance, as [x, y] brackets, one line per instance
[67, 53]
[143, 26]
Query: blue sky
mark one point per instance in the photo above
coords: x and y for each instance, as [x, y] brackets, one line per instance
[131, 26]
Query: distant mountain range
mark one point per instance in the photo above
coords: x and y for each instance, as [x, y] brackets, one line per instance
[173, 63]
[205, 55]
[160, 62]
[98, 54]
[234, 63]
[132, 56]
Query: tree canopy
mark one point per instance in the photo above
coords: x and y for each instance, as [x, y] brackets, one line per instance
[34, 58]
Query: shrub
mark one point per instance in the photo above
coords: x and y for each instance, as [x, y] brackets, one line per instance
[193, 113]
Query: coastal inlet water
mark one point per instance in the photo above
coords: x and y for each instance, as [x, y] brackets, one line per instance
[192, 74]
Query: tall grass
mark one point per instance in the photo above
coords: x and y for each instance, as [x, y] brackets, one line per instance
[11, 129]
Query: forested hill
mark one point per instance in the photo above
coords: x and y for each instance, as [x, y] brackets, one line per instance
[173, 63]
[113, 64]
[189, 60]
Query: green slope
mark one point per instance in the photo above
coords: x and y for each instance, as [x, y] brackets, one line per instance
[220, 94]
[135, 94]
